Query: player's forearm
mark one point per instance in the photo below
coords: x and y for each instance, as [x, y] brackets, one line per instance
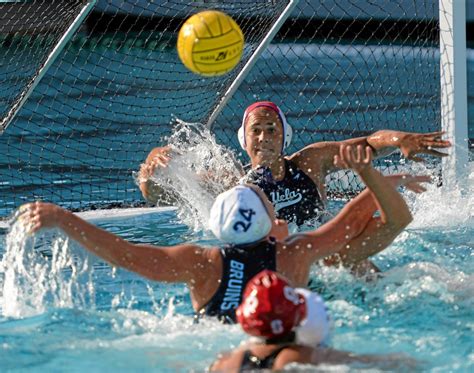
[106, 245]
[392, 206]
[385, 141]
[357, 213]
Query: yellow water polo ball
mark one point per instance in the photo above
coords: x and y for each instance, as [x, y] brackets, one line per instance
[210, 43]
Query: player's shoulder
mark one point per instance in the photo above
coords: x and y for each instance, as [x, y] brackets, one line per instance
[293, 354]
[227, 361]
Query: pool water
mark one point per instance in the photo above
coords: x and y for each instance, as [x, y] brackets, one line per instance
[63, 309]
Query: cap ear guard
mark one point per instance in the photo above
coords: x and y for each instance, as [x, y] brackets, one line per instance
[288, 136]
[241, 136]
[315, 328]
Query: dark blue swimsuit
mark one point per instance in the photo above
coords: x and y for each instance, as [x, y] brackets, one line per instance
[240, 264]
[296, 197]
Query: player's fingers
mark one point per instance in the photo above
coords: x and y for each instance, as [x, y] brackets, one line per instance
[436, 134]
[415, 187]
[435, 153]
[368, 155]
[422, 179]
[342, 152]
[436, 143]
[159, 162]
[162, 158]
[359, 154]
[415, 158]
[349, 154]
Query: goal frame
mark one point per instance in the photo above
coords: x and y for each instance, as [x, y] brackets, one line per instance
[47, 64]
[453, 79]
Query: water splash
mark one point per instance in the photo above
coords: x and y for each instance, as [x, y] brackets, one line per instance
[425, 279]
[444, 206]
[41, 271]
[199, 170]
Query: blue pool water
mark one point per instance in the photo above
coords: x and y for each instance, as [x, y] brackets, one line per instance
[61, 309]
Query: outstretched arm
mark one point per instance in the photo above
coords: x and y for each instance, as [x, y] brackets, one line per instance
[335, 235]
[410, 144]
[170, 264]
[317, 158]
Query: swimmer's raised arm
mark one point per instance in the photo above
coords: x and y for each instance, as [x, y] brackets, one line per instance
[356, 219]
[170, 264]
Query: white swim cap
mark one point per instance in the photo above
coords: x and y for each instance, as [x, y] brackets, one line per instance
[315, 329]
[239, 216]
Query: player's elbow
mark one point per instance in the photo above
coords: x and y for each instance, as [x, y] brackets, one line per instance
[400, 222]
[354, 227]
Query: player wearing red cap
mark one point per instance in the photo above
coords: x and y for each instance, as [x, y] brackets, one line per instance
[272, 310]
[246, 220]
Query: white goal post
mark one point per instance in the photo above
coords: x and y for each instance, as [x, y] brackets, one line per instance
[454, 117]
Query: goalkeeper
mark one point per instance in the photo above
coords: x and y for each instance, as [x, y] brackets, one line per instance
[295, 183]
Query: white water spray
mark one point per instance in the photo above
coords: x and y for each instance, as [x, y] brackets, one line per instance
[198, 171]
[41, 271]
[451, 205]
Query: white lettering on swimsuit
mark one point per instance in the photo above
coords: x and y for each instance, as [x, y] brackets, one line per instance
[234, 286]
[290, 197]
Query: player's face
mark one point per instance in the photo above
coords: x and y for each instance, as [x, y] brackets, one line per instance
[263, 136]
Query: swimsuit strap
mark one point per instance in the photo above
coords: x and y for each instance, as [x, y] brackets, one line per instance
[250, 361]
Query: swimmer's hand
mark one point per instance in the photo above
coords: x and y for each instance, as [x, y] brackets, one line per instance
[158, 158]
[39, 215]
[358, 159]
[411, 182]
[412, 144]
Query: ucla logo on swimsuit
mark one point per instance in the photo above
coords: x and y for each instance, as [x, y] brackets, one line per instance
[243, 226]
[290, 197]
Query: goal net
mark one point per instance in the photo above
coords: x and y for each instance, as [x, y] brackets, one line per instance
[338, 69]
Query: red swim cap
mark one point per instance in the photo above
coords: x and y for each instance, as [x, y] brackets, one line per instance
[270, 306]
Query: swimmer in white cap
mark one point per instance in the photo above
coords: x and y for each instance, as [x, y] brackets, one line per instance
[245, 219]
[272, 311]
